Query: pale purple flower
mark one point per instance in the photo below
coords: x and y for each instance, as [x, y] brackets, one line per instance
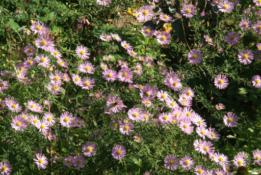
[41, 161]
[126, 45]
[126, 128]
[220, 106]
[43, 61]
[66, 119]
[49, 119]
[144, 14]
[165, 18]
[33, 106]
[34, 120]
[106, 58]
[66, 77]
[195, 56]
[257, 2]
[239, 160]
[138, 68]
[198, 121]
[4, 85]
[5, 168]
[89, 149]
[54, 88]
[225, 6]
[103, 2]
[48, 134]
[172, 81]
[56, 53]
[245, 57]
[29, 50]
[56, 77]
[256, 81]
[232, 38]
[43, 127]
[109, 75]
[123, 64]
[38, 28]
[29, 62]
[188, 10]
[82, 52]
[45, 43]
[208, 39]
[214, 2]
[61, 63]
[200, 170]
[134, 114]
[147, 31]
[138, 138]
[230, 119]
[68, 161]
[115, 104]
[257, 157]
[202, 132]
[207, 147]
[257, 27]
[77, 79]
[116, 37]
[106, 38]
[12, 105]
[162, 95]
[19, 123]
[171, 162]
[185, 126]
[118, 152]
[78, 161]
[245, 24]
[132, 53]
[187, 162]
[163, 38]
[172, 104]
[221, 81]
[212, 134]
[125, 75]
[87, 83]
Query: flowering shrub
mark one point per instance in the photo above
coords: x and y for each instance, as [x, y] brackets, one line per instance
[177, 91]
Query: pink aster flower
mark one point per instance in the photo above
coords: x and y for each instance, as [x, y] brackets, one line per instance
[257, 157]
[34, 120]
[56, 53]
[4, 85]
[162, 95]
[68, 161]
[144, 14]
[116, 37]
[257, 27]
[56, 77]
[43, 61]
[245, 24]
[232, 38]
[171, 162]
[19, 123]
[257, 2]
[5, 168]
[126, 45]
[138, 68]
[12, 105]
[89, 149]
[147, 31]
[147, 102]
[106, 38]
[198, 121]
[230, 119]
[38, 28]
[239, 160]
[66, 119]
[118, 152]
[256, 81]
[185, 126]
[172, 81]
[207, 147]
[103, 2]
[172, 104]
[77, 79]
[202, 132]
[82, 52]
[45, 43]
[78, 161]
[200, 170]
[134, 114]
[115, 104]
[29, 62]
[245, 57]
[49, 119]
[126, 128]
[165, 18]
[138, 138]
[225, 6]
[125, 75]
[208, 39]
[188, 10]
[48, 134]
[123, 64]
[87, 83]
[195, 56]
[61, 62]
[220, 106]
[212, 134]
[221, 81]
[31, 105]
[41, 161]
[164, 118]
[132, 53]
[187, 162]
[163, 38]
[29, 50]
[54, 88]
[66, 77]
[43, 127]
[109, 75]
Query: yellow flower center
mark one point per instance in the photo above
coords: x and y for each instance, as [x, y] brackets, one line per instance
[2, 85]
[195, 56]
[165, 118]
[126, 128]
[118, 152]
[147, 102]
[126, 45]
[77, 79]
[66, 119]
[245, 24]
[200, 171]
[259, 27]
[49, 119]
[109, 75]
[232, 38]
[30, 62]
[32, 106]
[257, 81]
[44, 42]
[187, 162]
[42, 60]
[147, 31]
[35, 121]
[166, 17]
[87, 83]
[206, 148]
[89, 149]
[30, 50]
[163, 38]
[125, 74]
[230, 119]
[245, 56]
[220, 81]
[56, 78]
[145, 13]
[257, 157]
[227, 168]
[240, 162]
[212, 134]
[203, 132]
[69, 160]
[82, 52]
[185, 126]
[188, 11]
[42, 126]
[135, 115]
[172, 104]
[225, 7]
[219, 107]
[14, 106]
[18, 123]
[40, 161]
[163, 96]
[171, 162]
[38, 28]
[4, 168]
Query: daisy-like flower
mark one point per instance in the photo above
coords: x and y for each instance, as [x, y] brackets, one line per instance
[106, 58]
[132, 53]
[138, 138]
[48, 134]
[43, 61]
[257, 27]
[138, 68]
[118, 152]
[12, 105]
[171, 162]
[68, 161]
[66, 77]
[5, 168]
[126, 45]
[220, 106]
[202, 132]
[66, 119]
[126, 128]
[54, 88]
[114, 125]
[61, 63]
[106, 38]
[200, 170]
[125, 75]
[89, 149]
[172, 103]
[245, 57]
[29, 50]
[144, 14]
[34, 107]
[56, 53]
[134, 114]
[49, 119]
[245, 24]
[56, 77]
[45, 43]
[187, 162]
[43, 127]
[41, 161]
[232, 38]
[37, 28]
[258, 46]
[19, 123]
[172, 81]
[163, 38]
[257, 157]
[87, 83]
[239, 160]
[4, 85]
[230, 119]
[78, 161]
[221, 81]
[147, 31]
[188, 10]
[257, 2]
[27, 31]
[208, 40]
[82, 52]
[185, 126]
[162, 95]
[212, 134]
[29, 62]
[123, 64]
[109, 75]
[116, 37]
[77, 79]
[34, 120]
[207, 148]
[195, 56]
[103, 2]
[164, 118]
[147, 102]
[165, 18]
[225, 6]
[115, 104]
[256, 81]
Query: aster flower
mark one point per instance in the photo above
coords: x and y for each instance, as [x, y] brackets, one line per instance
[29, 50]
[126, 45]
[56, 77]
[134, 114]
[147, 102]
[4, 85]
[125, 75]
[199, 170]
[221, 81]
[163, 38]
[245, 57]
[207, 147]
[61, 62]
[38, 28]
[103, 2]
[66, 77]
[77, 79]
[202, 132]
[118, 152]
[164, 118]
[228, 167]
[109, 75]
[115, 104]
[41, 161]
[220, 106]
[78, 161]
[43, 61]
[89, 149]
[162, 95]
[43, 127]
[87, 83]
[165, 18]
[185, 126]
[256, 81]
[48, 134]
[230, 119]
[187, 162]
[12, 105]
[68, 161]
[66, 119]
[34, 120]
[245, 24]
[138, 138]
[29, 62]
[144, 14]
[188, 10]
[5, 168]
[239, 161]
[31, 105]
[212, 134]
[82, 52]
[145, 116]
[138, 68]
[199, 121]
[172, 104]
[147, 31]
[171, 162]
[106, 38]
[56, 53]
[257, 157]
[54, 88]
[116, 37]
[132, 53]
[106, 58]
[27, 31]
[126, 128]
[49, 119]
[114, 125]
[208, 40]
[257, 2]
[195, 56]
[45, 43]
[172, 81]
[257, 27]
[232, 38]
[18, 123]
[225, 6]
